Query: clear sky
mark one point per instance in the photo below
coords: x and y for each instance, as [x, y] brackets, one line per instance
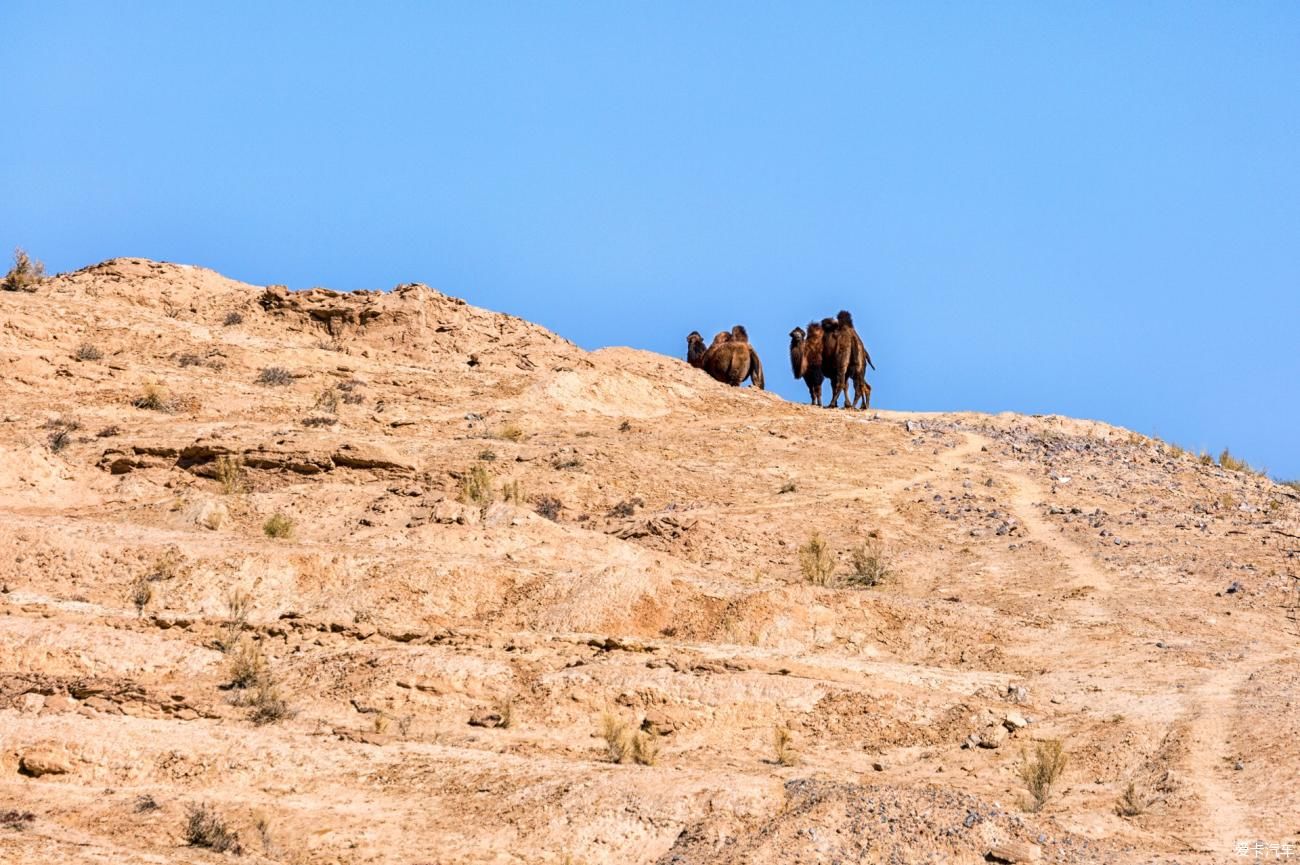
[1083, 208]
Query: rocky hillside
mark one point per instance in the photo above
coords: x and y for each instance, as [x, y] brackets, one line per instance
[383, 577]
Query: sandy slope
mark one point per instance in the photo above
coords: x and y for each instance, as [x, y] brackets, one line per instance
[1062, 573]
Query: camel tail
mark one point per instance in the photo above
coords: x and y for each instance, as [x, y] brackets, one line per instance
[755, 369]
[868, 354]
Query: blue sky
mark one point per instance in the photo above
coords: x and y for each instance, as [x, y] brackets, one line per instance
[1090, 209]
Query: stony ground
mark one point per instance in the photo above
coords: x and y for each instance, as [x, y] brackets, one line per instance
[494, 548]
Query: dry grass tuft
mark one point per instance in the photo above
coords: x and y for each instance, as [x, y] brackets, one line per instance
[278, 526]
[1041, 770]
[87, 351]
[1135, 800]
[868, 563]
[783, 746]
[204, 827]
[141, 594]
[816, 562]
[154, 397]
[508, 432]
[230, 474]
[476, 487]
[549, 507]
[626, 744]
[233, 318]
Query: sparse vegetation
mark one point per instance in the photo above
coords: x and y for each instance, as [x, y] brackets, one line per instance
[868, 564]
[816, 562]
[1205, 459]
[87, 351]
[512, 492]
[25, 275]
[189, 359]
[783, 746]
[204, 827]
[1227, 501]
[268, 705]
[476, 487]
[569, 462]
[274, 376]
[509, 432]
[1134, 801]
[626, 508]
[487, 455]
[625, 744]
[59, 439]
[141, 594]
[154, 398]
[238, 604]
[146, 803]
[109, 431]
[328, 401]
[625, 426]
[278, 526]
[1232, 464]
[317, 421]
[233, 318]
[505, 707]
[229, 472]
[247, 664]
[165, 567]
[1041, 770]
[350, 393]
[548, 506]
[787, 487]
[16, 821]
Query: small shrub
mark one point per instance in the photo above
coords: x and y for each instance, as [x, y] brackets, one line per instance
[571, 462]
[548, 506]
[146, 803]
[165, 567]
[626, 508]
[86, 351]
[238, 605]
[109, 432]
[59, 439]
[508, 432]
[353, 398]
[16, 821]
[625, 426]
[229, 471]
[505, 707]
[868, 564]
[278, 526]
[189, 359]
[512, 492]
[319, 421]
[25, 275]
[274, 376]
[645, 748]
[783, 746]
[204, 827]
[154, 398]
[350, 392]
[1227, 501]
[788, 487]
[1205, 459]
[328, 401]
[487, 455]
[268, 705]
[1134, 801]
[816, 562]
[1041, 771]
[476, 487]
[141, 594]
[247, 666]
[233, 318]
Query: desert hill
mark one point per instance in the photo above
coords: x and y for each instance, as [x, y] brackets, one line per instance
[369, 577]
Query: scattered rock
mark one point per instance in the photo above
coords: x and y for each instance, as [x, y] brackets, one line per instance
[39, 762]
[993, 736]
[1012, 852]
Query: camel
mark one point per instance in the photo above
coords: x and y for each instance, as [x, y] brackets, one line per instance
[859, 360]
[806, 359]
[732, 359]
[837, 352]
[695, 349]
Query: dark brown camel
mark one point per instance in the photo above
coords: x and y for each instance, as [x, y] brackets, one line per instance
[836, 354]
[732, 359]
[859, 360]
[695, 349]
[806, 359]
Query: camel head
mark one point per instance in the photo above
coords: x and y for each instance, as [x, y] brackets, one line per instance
[814, 330]
[720, 338]
[845, 318]
[739, 334]
[830, 325]
[796, 336]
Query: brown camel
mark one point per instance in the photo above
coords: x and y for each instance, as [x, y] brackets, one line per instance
[806, 359]
[859, 360]
[695, 349]
[732, 359]
[837, 351]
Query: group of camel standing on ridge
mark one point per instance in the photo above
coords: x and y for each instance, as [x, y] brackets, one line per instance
[829, 349]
